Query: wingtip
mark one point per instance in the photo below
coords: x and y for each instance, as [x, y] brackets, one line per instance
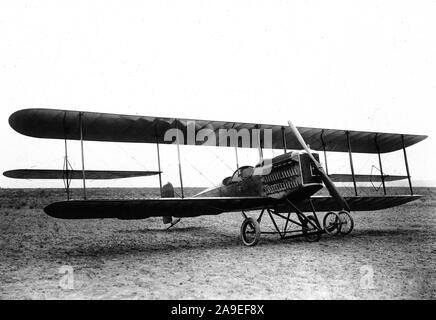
[7, 173]
[16, 120]
[21, 119]
[51, 210]
[12, 119]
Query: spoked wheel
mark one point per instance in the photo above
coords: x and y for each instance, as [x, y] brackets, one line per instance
[310, 232]
[347, 223]
[332, 223]
[250, 232]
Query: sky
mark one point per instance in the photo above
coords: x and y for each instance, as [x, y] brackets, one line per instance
[357, 65]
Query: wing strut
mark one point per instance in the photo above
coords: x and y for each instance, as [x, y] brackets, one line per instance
[67, 164]
[236, 151]
[284, 140]
[325, 152]
[66, 168]
[351, 161]
[259, 146]
[83, 155]
[407, 165]
[158, 164]
[178, 156]
[382, 176]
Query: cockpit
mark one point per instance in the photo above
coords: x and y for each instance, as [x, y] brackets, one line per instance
[241, 174]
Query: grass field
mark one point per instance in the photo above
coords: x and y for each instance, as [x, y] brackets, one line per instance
[390, 254]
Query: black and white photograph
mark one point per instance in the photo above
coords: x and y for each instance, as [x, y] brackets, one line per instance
[206, 150]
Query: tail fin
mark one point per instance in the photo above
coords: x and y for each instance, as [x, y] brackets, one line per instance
[167, 192]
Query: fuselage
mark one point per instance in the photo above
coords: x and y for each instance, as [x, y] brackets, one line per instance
[275, 178]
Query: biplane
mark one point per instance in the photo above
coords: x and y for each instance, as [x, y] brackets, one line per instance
[283, 187]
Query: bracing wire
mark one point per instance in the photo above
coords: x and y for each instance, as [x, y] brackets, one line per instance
[199, 172]
[222, 161]
[140, 163]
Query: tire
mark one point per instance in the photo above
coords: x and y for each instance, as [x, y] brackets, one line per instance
[331, 223]
[250, 232]
[347, 223]
[308, 230]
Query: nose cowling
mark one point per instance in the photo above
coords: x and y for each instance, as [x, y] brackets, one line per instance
[287, 174]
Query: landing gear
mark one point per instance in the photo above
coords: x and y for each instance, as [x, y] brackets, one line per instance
[250, 232]
[332, 223]
[296, 223]
[347, 223]
[310, 231]
[300, 225]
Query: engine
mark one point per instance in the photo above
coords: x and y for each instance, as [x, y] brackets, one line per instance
[288, 172]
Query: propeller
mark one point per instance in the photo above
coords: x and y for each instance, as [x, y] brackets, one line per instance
[334, 192]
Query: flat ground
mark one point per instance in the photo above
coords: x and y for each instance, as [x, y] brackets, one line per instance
[389, 255]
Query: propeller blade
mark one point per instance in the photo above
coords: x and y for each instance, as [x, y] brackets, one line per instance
[334, 192]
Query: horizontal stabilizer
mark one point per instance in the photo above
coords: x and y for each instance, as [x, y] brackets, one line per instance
[66, 124]
[75, 174]
[364, 178]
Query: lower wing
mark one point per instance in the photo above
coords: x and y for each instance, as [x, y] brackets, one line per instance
[364, 177]
[140, 209]
[356, 203]
[174, 207]
[192, 207]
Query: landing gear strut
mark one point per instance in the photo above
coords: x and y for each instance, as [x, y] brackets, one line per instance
[310, 232]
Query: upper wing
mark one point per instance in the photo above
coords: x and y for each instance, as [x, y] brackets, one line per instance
[75, 174]
[140, 209]
[63, 124]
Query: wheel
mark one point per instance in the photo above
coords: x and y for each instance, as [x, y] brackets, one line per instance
[310, 232]
[347, 223]
[332, 224]
[250, 232]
